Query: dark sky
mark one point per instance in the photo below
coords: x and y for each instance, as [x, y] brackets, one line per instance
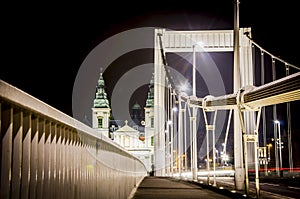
[44, 44]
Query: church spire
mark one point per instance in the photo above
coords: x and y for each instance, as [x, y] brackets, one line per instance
[101, 100]
[150, 99]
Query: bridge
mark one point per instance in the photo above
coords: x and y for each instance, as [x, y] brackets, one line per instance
[48, 154]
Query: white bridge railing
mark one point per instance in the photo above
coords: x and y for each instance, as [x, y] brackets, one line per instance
[48, 154]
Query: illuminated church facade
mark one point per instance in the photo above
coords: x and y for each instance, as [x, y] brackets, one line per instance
[137, 141]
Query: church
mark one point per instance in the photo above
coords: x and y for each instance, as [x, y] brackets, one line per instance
[137, 140]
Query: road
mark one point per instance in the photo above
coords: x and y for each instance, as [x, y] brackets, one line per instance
[268, 188]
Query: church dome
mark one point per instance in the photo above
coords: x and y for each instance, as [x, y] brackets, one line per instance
[136, 106]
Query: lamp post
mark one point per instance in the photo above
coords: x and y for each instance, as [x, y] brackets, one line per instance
[269, 151]
[269, 156]
[194, 114]
[194, 133]
[194, 70]
[280, 147]
[224, 159]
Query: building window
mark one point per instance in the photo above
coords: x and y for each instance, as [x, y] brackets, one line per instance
[152, 140]
[152, 122]
[100, 122]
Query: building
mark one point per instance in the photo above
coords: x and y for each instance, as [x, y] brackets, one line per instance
[137, 137]
[132, 141]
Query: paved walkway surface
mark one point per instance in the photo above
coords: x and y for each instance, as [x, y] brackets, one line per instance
[164, 187]
[172, 188]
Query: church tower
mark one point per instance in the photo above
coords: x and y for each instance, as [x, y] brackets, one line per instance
[149, 120]
[101, 109]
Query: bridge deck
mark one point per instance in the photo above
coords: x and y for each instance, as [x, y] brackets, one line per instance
[164, 187]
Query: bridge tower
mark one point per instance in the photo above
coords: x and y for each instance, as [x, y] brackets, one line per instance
[170, 41]
[101, 109]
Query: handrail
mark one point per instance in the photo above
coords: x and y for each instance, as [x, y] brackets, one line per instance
[283, 90]
[48, 154]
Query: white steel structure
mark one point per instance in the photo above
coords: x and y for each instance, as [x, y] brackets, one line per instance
[247, 102]
[212, 41]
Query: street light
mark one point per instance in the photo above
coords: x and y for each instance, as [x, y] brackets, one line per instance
[174, 109]
[280, 147]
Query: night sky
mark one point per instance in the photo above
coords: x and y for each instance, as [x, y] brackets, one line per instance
[44, 44]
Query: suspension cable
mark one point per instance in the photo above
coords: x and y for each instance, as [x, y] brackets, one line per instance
[273, 56]
[262, 82]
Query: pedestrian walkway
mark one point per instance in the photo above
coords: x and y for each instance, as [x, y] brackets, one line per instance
[165, 187]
